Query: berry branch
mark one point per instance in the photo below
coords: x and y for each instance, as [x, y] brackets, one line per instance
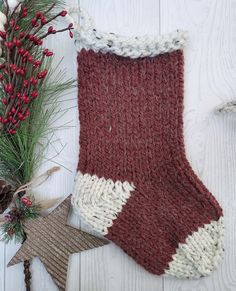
[21, 75]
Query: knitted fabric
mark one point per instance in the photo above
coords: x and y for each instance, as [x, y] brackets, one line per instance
[134, 183]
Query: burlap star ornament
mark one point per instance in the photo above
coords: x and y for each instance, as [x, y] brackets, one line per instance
[52, 241]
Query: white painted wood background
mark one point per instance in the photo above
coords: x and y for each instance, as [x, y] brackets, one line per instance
[210, 79]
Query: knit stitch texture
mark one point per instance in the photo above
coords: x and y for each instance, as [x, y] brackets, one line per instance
[134, 183]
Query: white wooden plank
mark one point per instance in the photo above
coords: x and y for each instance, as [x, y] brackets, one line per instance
[109, 268]
[2, 266]
[133, 17]
[15, 272]
[210, 139]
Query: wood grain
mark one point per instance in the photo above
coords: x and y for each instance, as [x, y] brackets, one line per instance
[2, 266]
[210, 138]
[210, 71]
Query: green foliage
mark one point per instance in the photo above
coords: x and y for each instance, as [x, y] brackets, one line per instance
[14, 226]
[21, 154]
[35, 6]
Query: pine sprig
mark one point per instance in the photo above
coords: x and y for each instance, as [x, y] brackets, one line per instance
[23, 209]
[22, 153]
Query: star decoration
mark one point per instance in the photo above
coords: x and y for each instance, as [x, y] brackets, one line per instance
[52, 240]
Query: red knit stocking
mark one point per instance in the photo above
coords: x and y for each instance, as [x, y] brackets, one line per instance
[134, 184]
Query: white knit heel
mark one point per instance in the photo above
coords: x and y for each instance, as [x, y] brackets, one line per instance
[99, 201]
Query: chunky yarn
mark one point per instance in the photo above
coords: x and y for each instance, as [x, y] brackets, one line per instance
[134, 183]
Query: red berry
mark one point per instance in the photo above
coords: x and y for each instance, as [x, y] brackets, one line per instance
[33, 81]
[26, 201]
[39, 42]
[25, 83]
[17, 27]
[20, 116]
[43, 20]
[50, 29]
[3, 34]
[35, 40]
[37, 63]
[39, 15]
[13, 67]
[9, 88]
[21, 51]
[25, 55]
[5, 120]
[34, 94]
[30, 203]
[16, 42]
[26, 100]
[13, 110]
[49, 54]
[4, 101]
[34, 22]
[14, 121]
[1, 77]
[0, 119]
[63, 13]
[12, 97]
[27, 113]
[30, 59]
[22, 34]
[70, 25]
[45, 52]
[24, 12]
[22, 72]
[42, 74]
[31, 37]
[12, 23]
[71, 34]
[8, 44]
[2, 66]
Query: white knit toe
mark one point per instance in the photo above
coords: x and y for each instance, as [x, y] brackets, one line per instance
[200, 254]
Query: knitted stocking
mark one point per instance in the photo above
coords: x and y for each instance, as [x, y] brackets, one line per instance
[134, 184]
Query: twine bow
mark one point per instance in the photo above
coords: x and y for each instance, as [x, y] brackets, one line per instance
[37, 181]
[45, 203]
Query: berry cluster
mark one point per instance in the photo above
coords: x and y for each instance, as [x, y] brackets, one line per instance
[21, 73]
[20, 210]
